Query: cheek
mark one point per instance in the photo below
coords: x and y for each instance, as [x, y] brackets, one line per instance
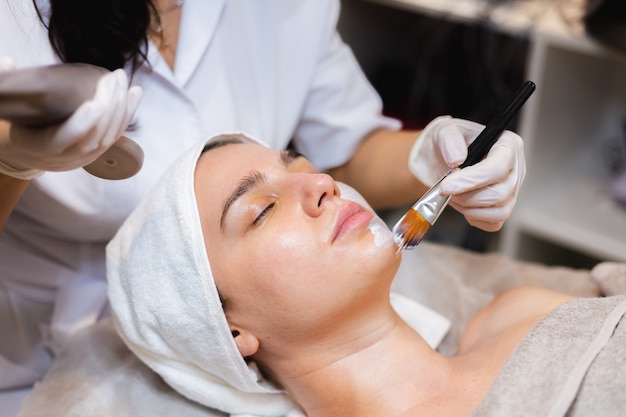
[287, 259]
[288, 270]
[295, 259]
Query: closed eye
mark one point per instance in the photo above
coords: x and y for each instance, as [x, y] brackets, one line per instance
[263, 214]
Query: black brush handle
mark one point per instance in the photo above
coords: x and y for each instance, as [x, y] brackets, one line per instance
[490, 134]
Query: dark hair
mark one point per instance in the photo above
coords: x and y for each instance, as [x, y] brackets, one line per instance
[107, 33]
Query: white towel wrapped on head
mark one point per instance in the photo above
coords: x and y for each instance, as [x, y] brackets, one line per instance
[167, 310]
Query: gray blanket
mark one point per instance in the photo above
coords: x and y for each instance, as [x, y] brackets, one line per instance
[565, 352]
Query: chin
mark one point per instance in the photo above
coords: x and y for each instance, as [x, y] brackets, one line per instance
[385, 260]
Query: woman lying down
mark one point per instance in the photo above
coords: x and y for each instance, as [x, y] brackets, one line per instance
[251, 286]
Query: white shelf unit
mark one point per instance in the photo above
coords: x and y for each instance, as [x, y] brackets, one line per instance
[564, 214]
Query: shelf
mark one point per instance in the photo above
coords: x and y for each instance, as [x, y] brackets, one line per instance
[579, 106]
[511, 17]
[560, 20]
[572, 207]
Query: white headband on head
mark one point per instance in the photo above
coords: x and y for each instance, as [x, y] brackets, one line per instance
[165, 303]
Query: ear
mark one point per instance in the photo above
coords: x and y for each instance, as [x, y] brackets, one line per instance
[246, 342]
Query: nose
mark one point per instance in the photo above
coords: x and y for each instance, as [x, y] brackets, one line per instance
[317, 190]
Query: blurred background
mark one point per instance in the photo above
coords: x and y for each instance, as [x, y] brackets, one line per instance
[465, 58]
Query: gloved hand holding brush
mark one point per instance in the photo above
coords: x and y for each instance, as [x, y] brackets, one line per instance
[484, 193]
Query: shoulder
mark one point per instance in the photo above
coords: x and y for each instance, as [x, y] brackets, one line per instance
[513, 311]
[527, 299]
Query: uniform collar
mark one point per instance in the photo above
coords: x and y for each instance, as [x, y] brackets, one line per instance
[200, 19]
[199, 22]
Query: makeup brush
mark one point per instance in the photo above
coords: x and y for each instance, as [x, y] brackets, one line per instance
[413, 226]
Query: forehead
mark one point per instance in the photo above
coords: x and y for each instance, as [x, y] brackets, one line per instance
[233, 158]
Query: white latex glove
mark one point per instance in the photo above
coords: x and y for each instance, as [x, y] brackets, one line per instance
[79, 140]
[485, 193]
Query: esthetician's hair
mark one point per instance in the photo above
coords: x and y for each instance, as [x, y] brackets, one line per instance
[107, 33]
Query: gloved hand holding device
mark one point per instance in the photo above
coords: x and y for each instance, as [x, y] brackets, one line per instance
[65, 117]
[484, 193]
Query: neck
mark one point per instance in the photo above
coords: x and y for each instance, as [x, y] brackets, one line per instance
[383, 371]
[165, 27]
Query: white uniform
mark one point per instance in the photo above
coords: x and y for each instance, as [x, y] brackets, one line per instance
[276, 70]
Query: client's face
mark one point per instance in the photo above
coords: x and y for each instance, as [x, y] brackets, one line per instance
[287, 252]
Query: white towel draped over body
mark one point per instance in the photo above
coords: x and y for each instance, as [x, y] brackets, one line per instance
[167, 310]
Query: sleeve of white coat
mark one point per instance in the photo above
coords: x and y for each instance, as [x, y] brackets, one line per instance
[342, 107]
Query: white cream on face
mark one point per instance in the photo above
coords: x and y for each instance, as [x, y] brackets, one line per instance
[383, 237]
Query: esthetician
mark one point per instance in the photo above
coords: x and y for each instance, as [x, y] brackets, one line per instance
[272, 69]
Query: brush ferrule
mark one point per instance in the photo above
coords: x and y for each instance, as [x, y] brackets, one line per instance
[432, 203]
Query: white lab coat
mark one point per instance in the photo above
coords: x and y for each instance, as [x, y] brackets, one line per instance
[276, 70]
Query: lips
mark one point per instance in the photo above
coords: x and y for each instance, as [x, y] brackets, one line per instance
[352, 216]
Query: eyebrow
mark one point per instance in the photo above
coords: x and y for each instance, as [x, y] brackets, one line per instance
[253, 180]
[288, 156]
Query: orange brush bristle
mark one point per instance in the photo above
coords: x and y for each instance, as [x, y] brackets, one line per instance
[410, 230]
